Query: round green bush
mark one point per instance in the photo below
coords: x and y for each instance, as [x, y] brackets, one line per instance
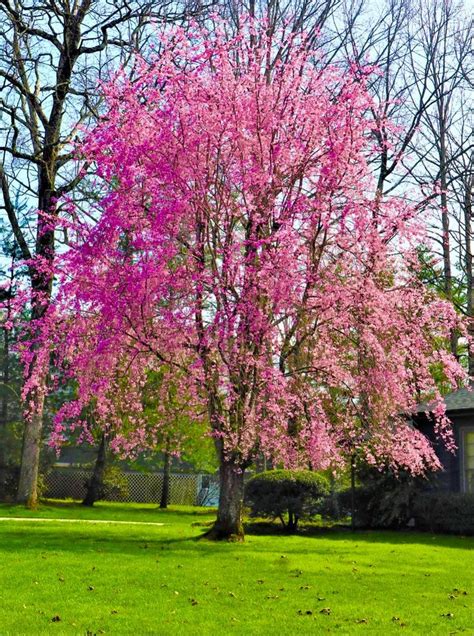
[288, 495]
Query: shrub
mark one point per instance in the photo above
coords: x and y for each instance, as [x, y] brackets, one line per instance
[384, 500]
[289, 495]
[9, 483]
[115, 486]
[452, 513]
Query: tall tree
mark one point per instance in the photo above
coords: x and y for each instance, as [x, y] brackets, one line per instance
[423, 51]
[52, 54]
[263, 269]
[443, 145]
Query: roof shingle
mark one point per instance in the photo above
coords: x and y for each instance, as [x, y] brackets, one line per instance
[460, 400]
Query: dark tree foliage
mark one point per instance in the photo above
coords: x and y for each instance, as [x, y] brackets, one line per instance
[289, 495]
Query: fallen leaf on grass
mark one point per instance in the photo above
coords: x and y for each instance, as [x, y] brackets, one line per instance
[457, 592]
[325, 610]
[193, 601]
[55, 619]
[361, 621]
[447, 615]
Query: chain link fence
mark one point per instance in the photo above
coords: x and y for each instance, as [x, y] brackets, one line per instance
[185, 489]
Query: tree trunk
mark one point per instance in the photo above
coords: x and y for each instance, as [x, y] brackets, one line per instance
[95, 487]
[292, 525]
[353, 467]
[165, 491]
[443, 177]
[28, 484]
[468, 186]
[228, 525]
[5, 396]
[42, 284]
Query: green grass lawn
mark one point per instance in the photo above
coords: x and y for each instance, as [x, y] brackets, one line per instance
[65, 578]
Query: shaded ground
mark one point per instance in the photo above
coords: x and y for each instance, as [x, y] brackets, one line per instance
[122, 579]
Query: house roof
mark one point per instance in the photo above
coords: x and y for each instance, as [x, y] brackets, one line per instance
[460, 400]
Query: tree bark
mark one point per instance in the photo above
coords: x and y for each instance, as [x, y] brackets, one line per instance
[353, 467]
[4, 409]
[468, 187]
[95, 487]
[447, 269]
[42, 285]
[165, 491]
[228, 525]
[28, 483]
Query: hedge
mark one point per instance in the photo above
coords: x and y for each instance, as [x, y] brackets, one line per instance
[452, 513]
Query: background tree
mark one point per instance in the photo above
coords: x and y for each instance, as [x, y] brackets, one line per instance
[444, 142]
[52, 54]
[175, 429]
[11, 375]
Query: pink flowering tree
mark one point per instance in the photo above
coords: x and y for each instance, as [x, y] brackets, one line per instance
[239, 244]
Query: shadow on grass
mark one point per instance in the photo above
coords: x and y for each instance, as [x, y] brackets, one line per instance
[143, 543]
[344, 533]
[184, 532]
[80, 541]
[106, 510]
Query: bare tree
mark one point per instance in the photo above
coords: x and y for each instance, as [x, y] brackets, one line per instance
[52, 53]
[293, 16]
[423, 51]
[444, 142]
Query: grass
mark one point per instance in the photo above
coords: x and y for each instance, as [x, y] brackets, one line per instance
[117, 579]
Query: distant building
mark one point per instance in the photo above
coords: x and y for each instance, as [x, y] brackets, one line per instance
[458, 474]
